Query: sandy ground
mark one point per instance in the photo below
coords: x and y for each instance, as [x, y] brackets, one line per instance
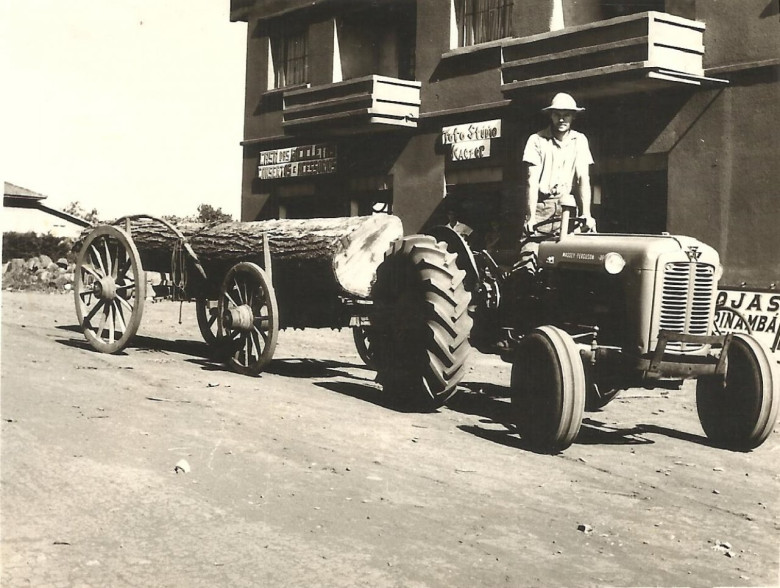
[307, 475]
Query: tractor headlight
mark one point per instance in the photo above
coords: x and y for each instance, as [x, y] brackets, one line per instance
[614, 263]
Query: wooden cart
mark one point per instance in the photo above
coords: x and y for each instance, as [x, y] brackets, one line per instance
[404, 297]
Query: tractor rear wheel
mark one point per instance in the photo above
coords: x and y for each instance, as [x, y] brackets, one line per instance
[420, 322]
[740, 410]
[548, 389]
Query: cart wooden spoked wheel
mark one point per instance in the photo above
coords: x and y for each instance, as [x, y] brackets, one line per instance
[249, 318]
[109, 289]
[207, 312]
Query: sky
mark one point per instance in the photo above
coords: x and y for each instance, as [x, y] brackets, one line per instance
[126, 106]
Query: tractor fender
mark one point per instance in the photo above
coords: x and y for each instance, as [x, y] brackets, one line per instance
[465, 258]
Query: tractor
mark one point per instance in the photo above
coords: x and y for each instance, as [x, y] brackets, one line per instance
[605, 312]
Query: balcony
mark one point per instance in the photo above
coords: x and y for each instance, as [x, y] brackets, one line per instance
[369, 103]
[638, 53]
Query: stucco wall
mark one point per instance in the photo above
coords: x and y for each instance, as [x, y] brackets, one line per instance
[730, 23]
[418, 182]
[724, 178]
[454, 82]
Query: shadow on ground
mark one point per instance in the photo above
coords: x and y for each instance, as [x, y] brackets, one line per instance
[491, 403]
[145, 343]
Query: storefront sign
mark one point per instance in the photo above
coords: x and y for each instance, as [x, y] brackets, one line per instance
[472, 140]
[292, 162]
[470, 150]
[478, 131]
[742, 311]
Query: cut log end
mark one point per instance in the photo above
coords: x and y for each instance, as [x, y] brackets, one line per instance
[364, 249]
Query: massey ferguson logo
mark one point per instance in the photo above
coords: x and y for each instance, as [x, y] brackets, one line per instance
[693, 253]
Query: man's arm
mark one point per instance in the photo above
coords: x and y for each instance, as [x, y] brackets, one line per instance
[582, 173]
[531, 195]
[585, 194]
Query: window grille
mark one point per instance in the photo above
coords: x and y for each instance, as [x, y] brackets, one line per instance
[480, 21]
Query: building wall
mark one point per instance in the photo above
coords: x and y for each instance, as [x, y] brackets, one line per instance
[690, 160]
[723, 175]
[739, 32]
[724, 178]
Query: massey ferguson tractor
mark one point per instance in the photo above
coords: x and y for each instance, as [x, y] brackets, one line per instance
[605, 312]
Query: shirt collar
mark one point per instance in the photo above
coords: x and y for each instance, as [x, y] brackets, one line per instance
[547, 133]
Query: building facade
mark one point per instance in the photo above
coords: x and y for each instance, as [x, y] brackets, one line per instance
[407, 106]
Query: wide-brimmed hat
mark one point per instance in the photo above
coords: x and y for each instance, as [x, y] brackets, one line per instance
[563, 101]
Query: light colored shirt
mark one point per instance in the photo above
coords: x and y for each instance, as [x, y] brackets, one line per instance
[560, 161]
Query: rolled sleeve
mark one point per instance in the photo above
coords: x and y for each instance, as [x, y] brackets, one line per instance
[532, 154]
[584, 156]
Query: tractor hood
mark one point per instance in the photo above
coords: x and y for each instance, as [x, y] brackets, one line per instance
[640, 252]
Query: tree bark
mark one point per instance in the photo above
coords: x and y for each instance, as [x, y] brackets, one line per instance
[309, 257]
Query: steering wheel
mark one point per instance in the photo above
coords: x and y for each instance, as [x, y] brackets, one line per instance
[576, 223]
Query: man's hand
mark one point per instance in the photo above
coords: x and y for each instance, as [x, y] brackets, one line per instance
[590, 224]
[528, 228]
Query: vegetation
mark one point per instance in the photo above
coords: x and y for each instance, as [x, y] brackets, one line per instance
[76, 209]
[27, 245]
[206, 214]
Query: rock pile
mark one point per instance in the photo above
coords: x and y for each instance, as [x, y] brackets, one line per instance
[39, 273]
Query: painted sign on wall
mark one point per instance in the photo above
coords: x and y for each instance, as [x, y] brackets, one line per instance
[743, 311]
[472, 140]
[292, 162]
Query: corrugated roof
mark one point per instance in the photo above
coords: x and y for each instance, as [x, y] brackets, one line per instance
[19, 192]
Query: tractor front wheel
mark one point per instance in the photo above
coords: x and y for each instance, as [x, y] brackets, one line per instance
[420, 322]
[548, 389]
[738, 411]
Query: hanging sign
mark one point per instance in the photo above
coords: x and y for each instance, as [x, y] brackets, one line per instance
[472, 140]
[478, 131]
[743, 311]
[470, 150]
[293, 162]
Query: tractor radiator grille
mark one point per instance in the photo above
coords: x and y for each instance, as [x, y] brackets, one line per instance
[686, 302]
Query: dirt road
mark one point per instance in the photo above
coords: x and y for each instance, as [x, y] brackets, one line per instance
[308, 476]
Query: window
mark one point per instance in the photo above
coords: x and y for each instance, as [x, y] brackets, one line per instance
[289, 47]
[480, 21]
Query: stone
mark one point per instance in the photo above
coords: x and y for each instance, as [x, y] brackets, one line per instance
[17, 264]
[583, 528]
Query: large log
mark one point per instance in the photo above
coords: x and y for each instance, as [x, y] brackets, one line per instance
[311, 259]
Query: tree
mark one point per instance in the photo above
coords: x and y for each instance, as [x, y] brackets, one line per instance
[209, 214]
[76, 209]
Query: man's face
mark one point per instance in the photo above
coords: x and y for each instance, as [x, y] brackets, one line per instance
[561, 120]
